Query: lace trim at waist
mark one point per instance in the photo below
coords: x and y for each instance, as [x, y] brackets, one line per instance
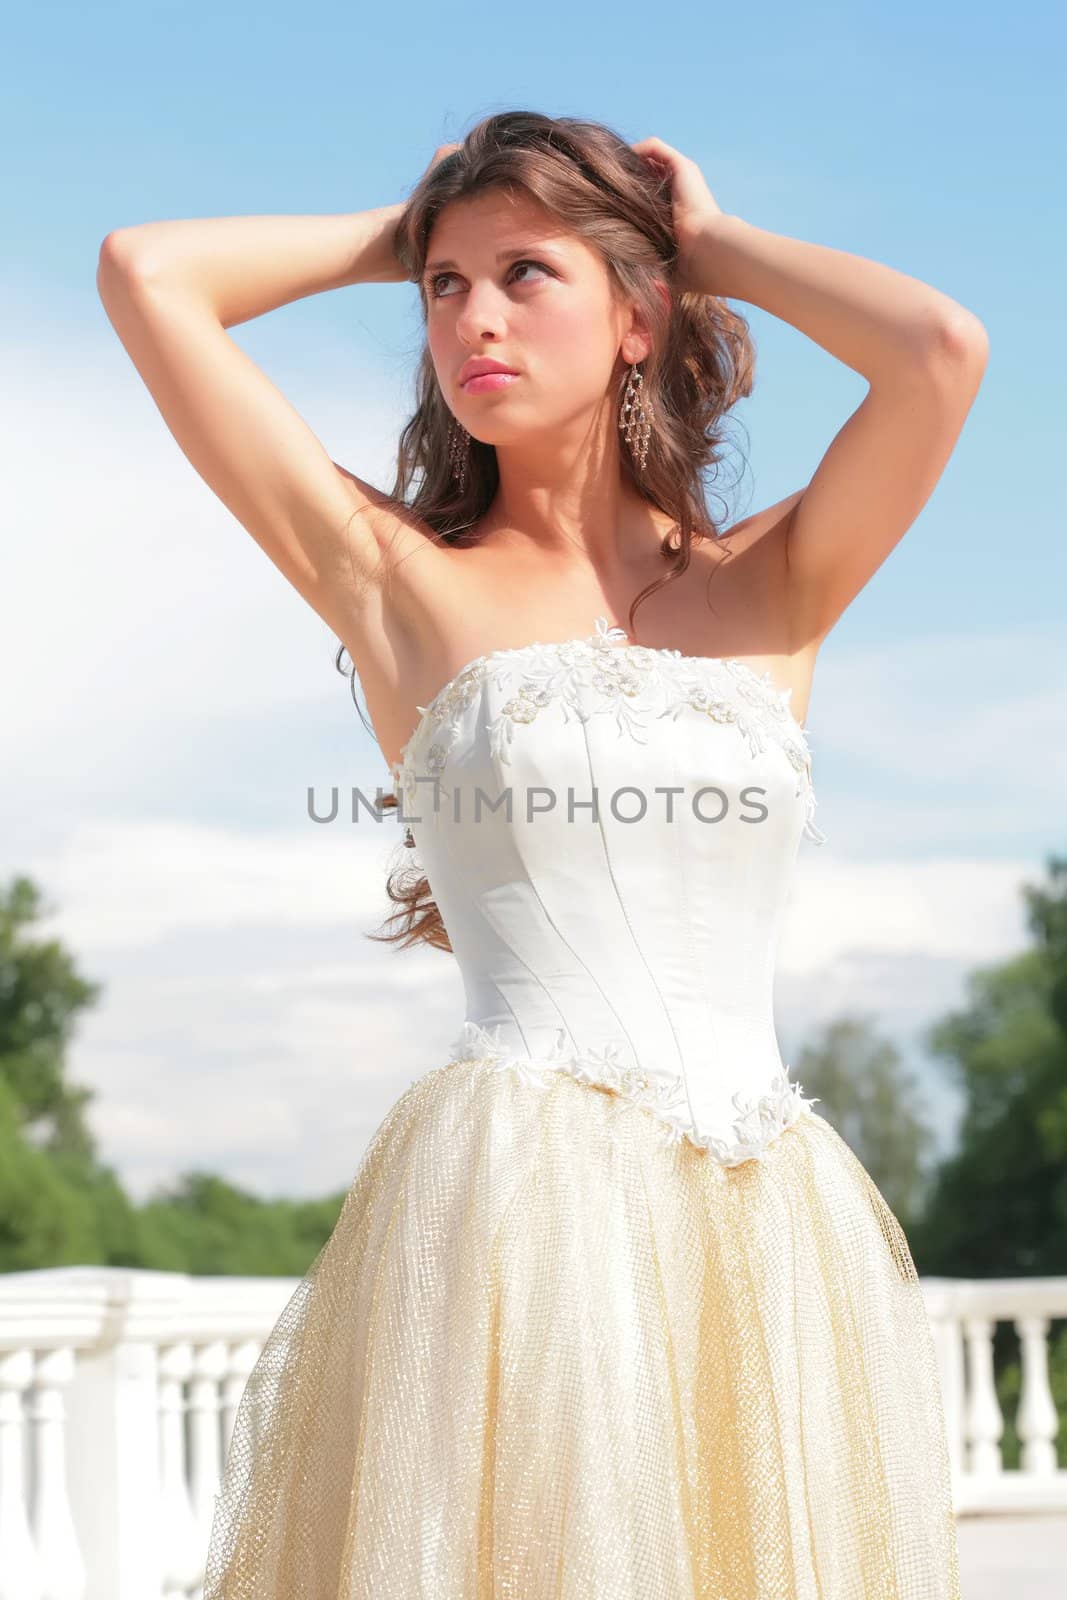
[761, 1118]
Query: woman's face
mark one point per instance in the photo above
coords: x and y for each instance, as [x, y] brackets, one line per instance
[521, 290]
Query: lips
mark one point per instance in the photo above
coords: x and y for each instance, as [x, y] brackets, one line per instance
[481, 366]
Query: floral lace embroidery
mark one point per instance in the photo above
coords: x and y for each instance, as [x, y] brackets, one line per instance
[627, 676]
[759, 1122]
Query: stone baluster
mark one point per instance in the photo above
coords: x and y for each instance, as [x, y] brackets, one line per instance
[985, 1423]
[62, 1566]
[182, 1552]
[21, 1574]
[1037, 1423]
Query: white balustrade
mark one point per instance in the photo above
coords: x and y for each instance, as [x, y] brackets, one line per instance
[62, 1567]
[119, 1388]
[1036, 1421]
[964, 1315]
[21, 1574]
[210, 1363]
[179, 1524]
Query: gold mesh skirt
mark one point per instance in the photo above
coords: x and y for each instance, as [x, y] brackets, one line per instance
[545, 1353]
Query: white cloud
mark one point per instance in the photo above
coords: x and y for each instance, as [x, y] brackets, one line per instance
[127, 883]
[960, 909]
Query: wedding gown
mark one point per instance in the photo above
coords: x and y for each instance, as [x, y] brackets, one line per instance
[610, 1311]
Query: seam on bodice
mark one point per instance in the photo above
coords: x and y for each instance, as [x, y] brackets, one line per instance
[602, 674]
[760, 1119]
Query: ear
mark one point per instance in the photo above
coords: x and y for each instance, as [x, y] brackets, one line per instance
[638, 337]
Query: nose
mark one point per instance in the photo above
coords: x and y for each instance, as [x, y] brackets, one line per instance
[482, 313]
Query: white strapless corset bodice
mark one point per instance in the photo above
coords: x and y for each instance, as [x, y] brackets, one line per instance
[609, 832]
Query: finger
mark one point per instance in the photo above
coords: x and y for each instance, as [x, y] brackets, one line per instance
[665, 151]
[659, 166]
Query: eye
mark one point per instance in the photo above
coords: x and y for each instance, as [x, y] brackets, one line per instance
[539, 264]
[436, 294]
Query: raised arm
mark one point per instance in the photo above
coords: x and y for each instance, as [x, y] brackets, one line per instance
[921, 352]
[171, 290]
[923, 355]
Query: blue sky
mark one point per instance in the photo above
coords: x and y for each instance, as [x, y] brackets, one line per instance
[173, 698]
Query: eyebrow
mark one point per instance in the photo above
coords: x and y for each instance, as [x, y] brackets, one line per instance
[503, 255]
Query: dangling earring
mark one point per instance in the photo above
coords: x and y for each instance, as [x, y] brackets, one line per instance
[459, 441]
[635, 418]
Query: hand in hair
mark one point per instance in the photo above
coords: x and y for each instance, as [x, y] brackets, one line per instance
[693, 205]
[439, 154]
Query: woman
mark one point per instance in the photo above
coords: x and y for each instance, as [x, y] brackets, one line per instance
[610, 1310]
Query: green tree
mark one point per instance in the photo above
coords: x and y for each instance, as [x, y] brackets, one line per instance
[205, 1225]
[58, 1205]
[875, 1104]
[998, 1207]
[41, 1000]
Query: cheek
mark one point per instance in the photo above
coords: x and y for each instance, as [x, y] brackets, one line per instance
[573, 328]
[435, 340]
[574, 347]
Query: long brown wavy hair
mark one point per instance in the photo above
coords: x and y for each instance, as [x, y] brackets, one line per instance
[701, 363]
